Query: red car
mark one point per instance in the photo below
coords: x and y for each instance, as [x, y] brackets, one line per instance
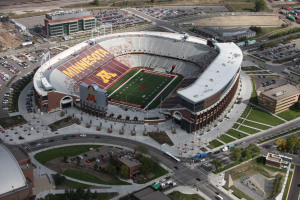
[21, 138]
[87, 160]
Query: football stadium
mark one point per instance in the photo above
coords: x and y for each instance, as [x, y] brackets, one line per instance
[188, 78]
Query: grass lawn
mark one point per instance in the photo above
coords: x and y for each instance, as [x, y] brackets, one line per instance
[76, 185]
[236, 134]
[263, 117]
[287, 186]
[256, 125]
[248, 130]
[253, 98]
[7, 122]
[158, 172]
[226, 138]
[289, 114]
[144, 87]
[215, 143]
[246, 111]
[51, 154]
[161, 137]
[176, 195]
[83, 176]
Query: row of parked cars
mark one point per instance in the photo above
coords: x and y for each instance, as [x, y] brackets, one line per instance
[117, 18]
[10, 67]
[29, 98]
[5, 101]
[268, 83]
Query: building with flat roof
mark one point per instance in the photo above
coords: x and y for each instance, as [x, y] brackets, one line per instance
[273, 160]
[225, 34]
[130, 162]
[279, 99]
[149, 193]
[62, 23]
[16, 174]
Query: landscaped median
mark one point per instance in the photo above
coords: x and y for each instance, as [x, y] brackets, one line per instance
[287, 186]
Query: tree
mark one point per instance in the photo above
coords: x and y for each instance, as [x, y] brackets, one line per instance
[260, 5]
[124, 171]
[153, 1]
[236, 153]
[141, 149]
[65, 159]
[147, 165]
[217, 163]
[111, 170]
[281, 143]
[59, 179]
[96, 2]
[96, 167]
[293, 143]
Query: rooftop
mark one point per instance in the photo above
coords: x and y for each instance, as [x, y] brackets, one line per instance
[149, 193]
[11, 175]
[282, 92]
[129, 162]
[273, 157]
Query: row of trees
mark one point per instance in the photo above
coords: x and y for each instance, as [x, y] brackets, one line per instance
[260, 5]
[284, 33]
[257, 29]
[243, 154]
[292, 144]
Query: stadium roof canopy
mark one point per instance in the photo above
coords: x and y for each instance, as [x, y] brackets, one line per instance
[217, 75]
[11, 175]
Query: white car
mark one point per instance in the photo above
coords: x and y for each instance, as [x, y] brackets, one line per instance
[83, 135]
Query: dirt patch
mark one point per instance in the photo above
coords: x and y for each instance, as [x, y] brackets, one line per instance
[7, 36]
[161, 137]
[59, 166]
[240, 21]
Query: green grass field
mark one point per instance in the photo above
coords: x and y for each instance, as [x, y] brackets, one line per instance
[248, 130]
[256, 125]
[236, 134]
[289, 114]
[51, 154]
[139, 88]
[215, 143]
[226, 138]
[263, 117]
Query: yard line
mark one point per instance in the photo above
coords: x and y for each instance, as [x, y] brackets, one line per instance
[160, 92]
[125, 82]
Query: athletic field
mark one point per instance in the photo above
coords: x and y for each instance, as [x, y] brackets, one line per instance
[143, 88]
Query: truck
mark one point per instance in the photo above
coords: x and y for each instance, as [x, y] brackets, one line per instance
[291, 17]
[203, 155]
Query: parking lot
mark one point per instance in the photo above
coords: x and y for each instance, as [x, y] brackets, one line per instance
[278, 52]
[265, 83]
[117, 18]
[171, 12]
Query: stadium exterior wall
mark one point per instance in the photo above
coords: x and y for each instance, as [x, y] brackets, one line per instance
[192, 121]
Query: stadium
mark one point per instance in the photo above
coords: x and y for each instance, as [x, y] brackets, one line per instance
[191, 79]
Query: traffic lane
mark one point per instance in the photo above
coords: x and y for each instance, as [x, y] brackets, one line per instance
[294, 189]
[213, 191]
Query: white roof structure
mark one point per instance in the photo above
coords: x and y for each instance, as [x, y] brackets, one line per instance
[217, 75]
[11, 175]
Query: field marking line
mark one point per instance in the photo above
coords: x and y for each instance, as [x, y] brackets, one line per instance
[125, 82]
[160, 92]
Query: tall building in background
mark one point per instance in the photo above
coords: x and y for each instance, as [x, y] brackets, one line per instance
[61, 23]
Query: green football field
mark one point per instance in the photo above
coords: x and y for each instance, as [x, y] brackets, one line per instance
[143, 88]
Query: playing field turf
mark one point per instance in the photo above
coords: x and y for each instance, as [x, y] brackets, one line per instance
[144, 89]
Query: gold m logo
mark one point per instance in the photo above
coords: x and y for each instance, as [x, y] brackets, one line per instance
[91, 98]
[106, 76]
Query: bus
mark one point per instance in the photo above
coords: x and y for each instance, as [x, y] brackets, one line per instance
[172, 157]
[285, 158]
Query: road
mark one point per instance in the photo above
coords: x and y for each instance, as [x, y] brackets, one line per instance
[294, 190]
[183, 175]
